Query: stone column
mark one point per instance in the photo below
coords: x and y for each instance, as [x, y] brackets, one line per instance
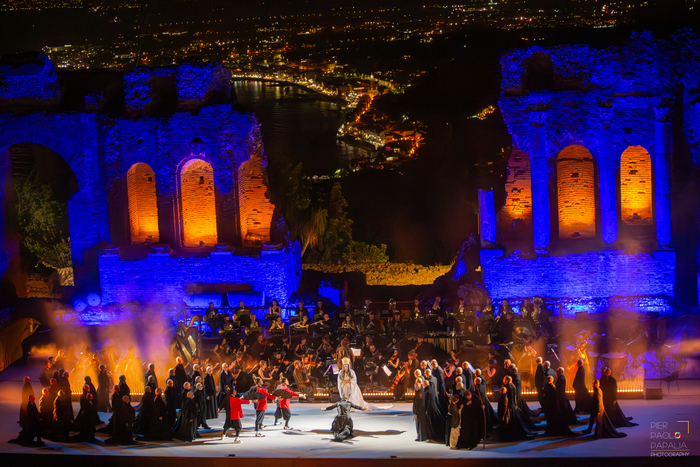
[487, 218]
[608, 191]
[540, 181]
[662, 176]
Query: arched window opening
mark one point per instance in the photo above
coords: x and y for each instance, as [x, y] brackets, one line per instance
[635, 186]
[576, 193]
[143, 206]
[198, 203]
[515, 218]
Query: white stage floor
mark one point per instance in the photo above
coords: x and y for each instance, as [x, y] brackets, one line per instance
[380, 434]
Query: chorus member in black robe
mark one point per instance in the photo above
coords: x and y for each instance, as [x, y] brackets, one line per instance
[159, 427]
[171, 402]
[454, 421]
[539, 379]
[62, 416]
[186, 429]
[124, 422]
[142, 423]
[565, 409]
[91, 389]
[124, 389]
[432, 380]
[603, 426]
[200, 400]
[522, 405]
[419, 414]
[472, 429]
[104, 383]
[32, 426]
[64, 382]
[490, 417]
[608, 386]
[469, 375]
[85, 420]
[342, 425]
[180, 376]
[556, 422]
[210, 395]
[177, 388]
[185, 389]
[513, 428]
[46, 411]
[194, 375]
[26, 392]
[226, 380]
[581, 395]
[436, 419]
[46, 375]
[151, 372]
[439, 375]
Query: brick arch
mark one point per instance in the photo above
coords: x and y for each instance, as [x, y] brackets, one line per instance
[560, 141]
[636, 197]
[70, 155]
[197, 196]
[576, 204]
[142, 202]
[213, 156]
[516, 213]
[621, 143]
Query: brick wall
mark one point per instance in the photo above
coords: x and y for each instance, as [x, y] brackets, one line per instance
[576, 193]
[515, 216]
[635, 186]
[255, 209]
[593, 281]
[143, 207]
[163, 279]
[198, 204]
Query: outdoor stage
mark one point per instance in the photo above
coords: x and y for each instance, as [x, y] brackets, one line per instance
[382, 437]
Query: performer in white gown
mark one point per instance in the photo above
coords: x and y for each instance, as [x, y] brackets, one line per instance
[350, 391]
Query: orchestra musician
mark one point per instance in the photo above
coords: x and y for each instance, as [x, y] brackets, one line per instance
[400, 381]
[275, 310]
[277, 326]
[416, 313]
[303, 325]
[349, 324]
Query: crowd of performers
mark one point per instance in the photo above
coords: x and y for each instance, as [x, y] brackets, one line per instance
[253, 365]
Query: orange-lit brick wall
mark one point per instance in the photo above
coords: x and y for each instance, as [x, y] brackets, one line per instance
[518, 205]
[576, 193]
[143, 207]
[635, 186]
[198, 204]
[255, 209]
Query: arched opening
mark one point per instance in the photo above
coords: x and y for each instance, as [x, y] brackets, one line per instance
[198, 203]
[576, 193]
[143, 205]
[539, 72]
[255, 209]
[35, 219]
[635, 187]
[515, 218]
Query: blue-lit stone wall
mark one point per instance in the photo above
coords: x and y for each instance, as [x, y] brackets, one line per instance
[595, 281]
[162, 278]
[604, 100]
[100, 150]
